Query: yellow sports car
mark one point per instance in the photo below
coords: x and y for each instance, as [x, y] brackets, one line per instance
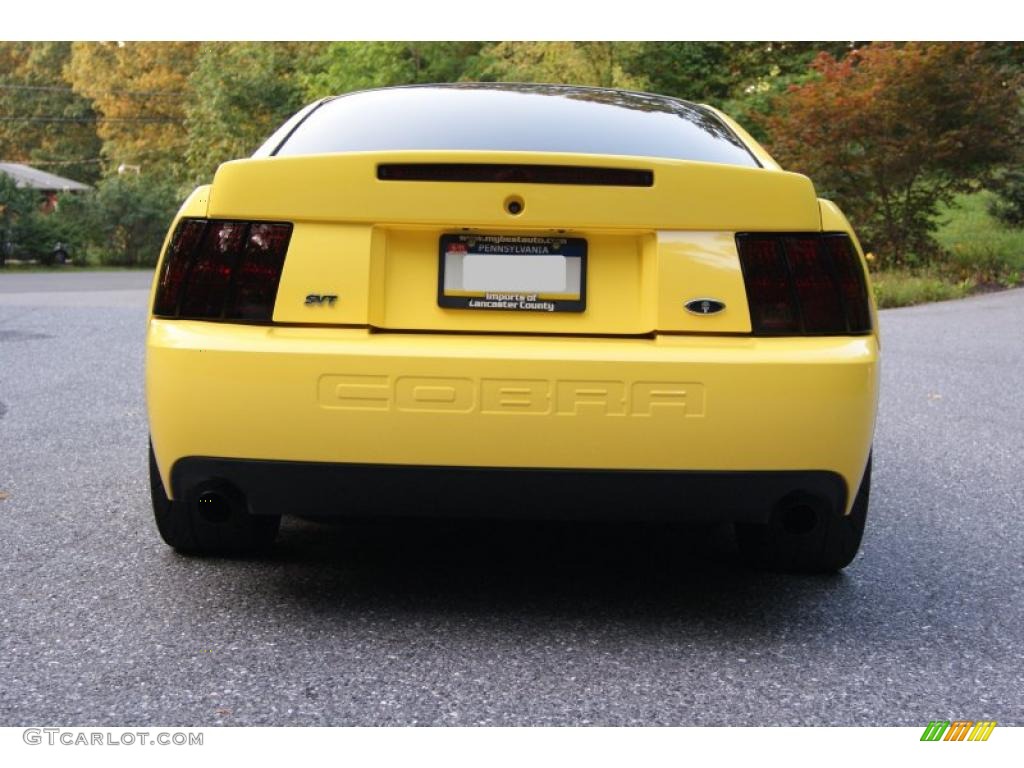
[513, 300]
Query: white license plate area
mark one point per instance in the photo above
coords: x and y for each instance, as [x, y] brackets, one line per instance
[515, 273]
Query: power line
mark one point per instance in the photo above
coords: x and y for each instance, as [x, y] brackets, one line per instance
[67, 89]
[137, 154]
[84, 161]
[89, 120]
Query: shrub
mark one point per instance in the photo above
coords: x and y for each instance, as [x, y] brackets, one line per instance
[25, 231]
[892, 131]
[899, 288]
[123, 222]
[1008, 205]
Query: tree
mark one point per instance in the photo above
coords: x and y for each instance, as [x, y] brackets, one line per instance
[761, 71]
[241, 93]
[123, 221]
[352, 66]
[139, 92]
[892, 131]
[1008, 182]
[600, 63]
[25, 231]
[46, 124]
[1008, 205]
[696, 71]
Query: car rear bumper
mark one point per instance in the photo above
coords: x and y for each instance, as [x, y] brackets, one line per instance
[315, 413]
[317, 489]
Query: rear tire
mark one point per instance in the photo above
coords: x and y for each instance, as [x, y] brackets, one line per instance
[230, 531]
[829, 546]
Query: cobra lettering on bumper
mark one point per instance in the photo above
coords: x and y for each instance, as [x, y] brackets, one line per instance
[564, 397]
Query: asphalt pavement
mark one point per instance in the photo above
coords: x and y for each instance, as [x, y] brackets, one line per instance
[501, 624]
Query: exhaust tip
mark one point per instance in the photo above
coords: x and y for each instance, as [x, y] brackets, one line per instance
[218, 501]
[800, 514]
[799, 519]
[214, 507]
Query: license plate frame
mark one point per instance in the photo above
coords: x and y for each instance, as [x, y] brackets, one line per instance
[460, 254]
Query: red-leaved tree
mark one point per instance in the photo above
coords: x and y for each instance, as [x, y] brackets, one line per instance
[891, 131]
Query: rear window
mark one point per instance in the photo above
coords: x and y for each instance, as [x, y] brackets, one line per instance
[527, 118]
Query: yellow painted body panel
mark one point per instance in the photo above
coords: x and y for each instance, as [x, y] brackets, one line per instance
[352, 395]
[441, 387]
[344, 187]
[387, 278]
[696, 265]
[374, 244]
[616, 300]
[335, 259]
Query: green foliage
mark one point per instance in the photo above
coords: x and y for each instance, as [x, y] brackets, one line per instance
[977, 245]
[703, 72]
[353, 66]
[896, 134]
[890, 132]
[766, 71]
[55, 128]
[901, 288]
[1007, 204]
[726, 72]
[980, 254]
[139, 91]
[25, 231]
[123, 222]
[242, 93]
[599, 63]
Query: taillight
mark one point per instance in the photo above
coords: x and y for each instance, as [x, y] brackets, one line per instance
[804, 284]
[852, 285]
[769, 289]
[184, 242]
[222, 270]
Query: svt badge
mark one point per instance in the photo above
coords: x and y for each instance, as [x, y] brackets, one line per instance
[704, 306]
[321, 299]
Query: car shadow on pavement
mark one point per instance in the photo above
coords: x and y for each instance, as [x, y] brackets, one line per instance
[541, 568]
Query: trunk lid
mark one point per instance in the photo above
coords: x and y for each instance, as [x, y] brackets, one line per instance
[376, 243]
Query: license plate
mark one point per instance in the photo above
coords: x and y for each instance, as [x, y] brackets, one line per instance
[513, 273]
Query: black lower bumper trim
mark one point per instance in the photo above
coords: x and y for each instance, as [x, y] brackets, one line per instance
[365, 490]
